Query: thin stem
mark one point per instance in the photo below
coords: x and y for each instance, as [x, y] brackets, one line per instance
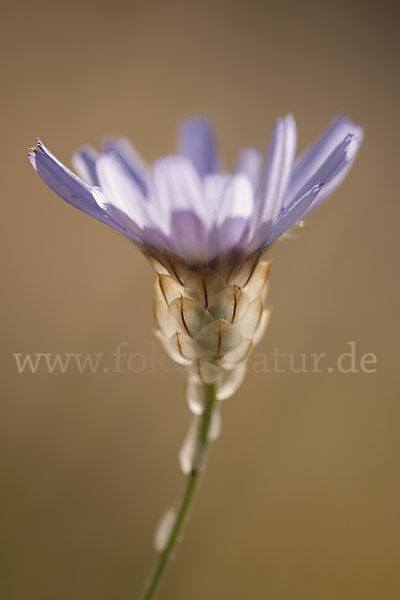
[187, 494]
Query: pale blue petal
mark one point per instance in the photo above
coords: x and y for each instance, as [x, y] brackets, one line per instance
[175, 185]
[237, 199]
[213, 190]
[187, 207]
[293, 214]
[129, 158]
[67, 185]
[249, 163]
[333, 182]
[313, 157]
[277, 170]
[84, 162]
[196, 142]
[188, 237]
[232, 234]
[121, 190]
[332, 168]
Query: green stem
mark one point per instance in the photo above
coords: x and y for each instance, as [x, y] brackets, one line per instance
[187, 494]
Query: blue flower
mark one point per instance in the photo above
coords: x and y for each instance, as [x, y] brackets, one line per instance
[187, 205]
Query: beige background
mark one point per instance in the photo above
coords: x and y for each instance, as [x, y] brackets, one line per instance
[301, 495]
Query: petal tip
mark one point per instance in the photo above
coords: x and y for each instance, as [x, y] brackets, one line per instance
[34, 151]
[353, 142]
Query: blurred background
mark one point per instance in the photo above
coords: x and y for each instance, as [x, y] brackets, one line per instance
[301, 494]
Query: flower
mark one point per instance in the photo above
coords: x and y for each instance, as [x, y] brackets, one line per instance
[205, 231]
[187, 206]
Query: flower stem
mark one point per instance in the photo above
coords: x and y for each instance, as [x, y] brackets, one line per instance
[187, 494]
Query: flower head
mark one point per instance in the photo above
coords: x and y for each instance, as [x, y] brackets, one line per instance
[187, 206]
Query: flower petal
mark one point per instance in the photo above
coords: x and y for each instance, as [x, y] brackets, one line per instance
[313, 157]
[189, 237]
[237, 199]
[213, 191]
[121, 190]
[177, 187]
[332, 171]
[185, 211]
[197, 143]
[277, 169]
[84, 161]
[233, 213]
[336, 179]
[71, 189]
[231, 234]
[129, 158]
[249, 163]
[292, 214]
